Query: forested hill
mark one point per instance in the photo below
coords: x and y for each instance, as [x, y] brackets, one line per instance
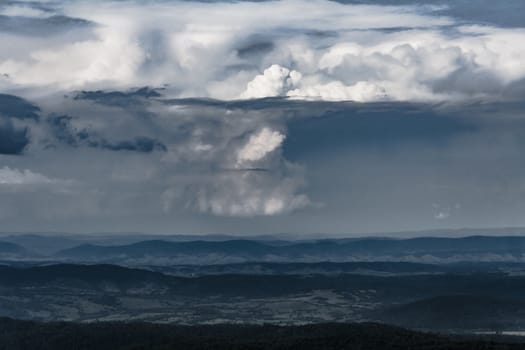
[28, 335]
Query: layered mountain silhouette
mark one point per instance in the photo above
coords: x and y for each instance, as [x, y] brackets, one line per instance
[426, 249]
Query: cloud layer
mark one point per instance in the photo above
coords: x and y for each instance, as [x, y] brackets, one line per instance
[242, 116]
[302, 49]
[268, 165]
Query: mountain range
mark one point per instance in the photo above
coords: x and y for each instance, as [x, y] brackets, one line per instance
[176, 250]
[425, 250]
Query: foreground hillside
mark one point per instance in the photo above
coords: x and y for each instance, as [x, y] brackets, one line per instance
[26, 335]
[458, 301]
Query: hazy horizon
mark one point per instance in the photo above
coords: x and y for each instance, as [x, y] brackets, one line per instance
[424, 233]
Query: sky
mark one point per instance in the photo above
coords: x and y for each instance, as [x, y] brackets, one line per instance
[263, 117]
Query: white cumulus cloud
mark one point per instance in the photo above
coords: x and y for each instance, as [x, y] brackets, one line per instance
[297, 48]
[274, 81]
[259, 145]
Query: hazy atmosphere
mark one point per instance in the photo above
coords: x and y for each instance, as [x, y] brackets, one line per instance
[261, 117]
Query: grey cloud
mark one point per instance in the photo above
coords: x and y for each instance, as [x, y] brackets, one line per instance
[506, 14]
[15, 114]
[17, 107]
[345, 162]
[342, 167]
[13, 140]
[212, 161]
[65, 133]
[365, 127]
[138, 144]
[40, 19]
[255, 48]
[119, 98]
[62, 130]
[41, 26]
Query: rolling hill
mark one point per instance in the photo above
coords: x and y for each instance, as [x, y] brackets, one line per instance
[424, 250]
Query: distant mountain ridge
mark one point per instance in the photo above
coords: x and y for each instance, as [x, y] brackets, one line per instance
[424, 249]
[11, 250]
[138, 250]
[42, 244]
[6, 247]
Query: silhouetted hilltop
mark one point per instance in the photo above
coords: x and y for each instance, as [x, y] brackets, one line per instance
[25, 335]
[459, 312]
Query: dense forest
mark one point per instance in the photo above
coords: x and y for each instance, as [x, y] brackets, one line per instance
[30, 335]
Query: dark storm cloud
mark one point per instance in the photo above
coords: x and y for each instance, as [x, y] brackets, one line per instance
[287, 165]
[12, 140]
[462, 169]
[66, 133]
[15, 137]
[138, 144]
[255, 48]
[263, 104]
[33, 18]
[18, 108]
[505, 13]
[40, 26]
[119, 98]
[36, 19]
[362, 127]
[62, 130]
